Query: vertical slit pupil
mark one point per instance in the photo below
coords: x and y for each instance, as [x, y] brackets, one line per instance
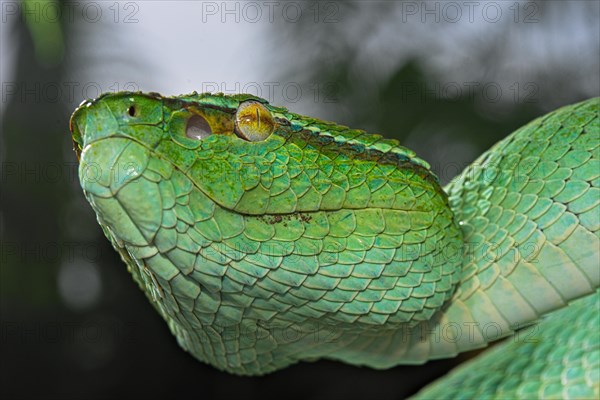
[131, 111]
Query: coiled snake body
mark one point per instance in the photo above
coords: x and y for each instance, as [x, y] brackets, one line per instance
[265, 238]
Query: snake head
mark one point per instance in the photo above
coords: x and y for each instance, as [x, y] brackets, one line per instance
[239, 213]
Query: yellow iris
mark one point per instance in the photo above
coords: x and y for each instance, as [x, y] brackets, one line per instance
[253, 121]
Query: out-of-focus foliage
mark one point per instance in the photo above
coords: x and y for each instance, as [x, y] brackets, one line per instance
[45, 30]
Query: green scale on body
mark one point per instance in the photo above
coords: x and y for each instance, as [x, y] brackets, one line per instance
[265, 238]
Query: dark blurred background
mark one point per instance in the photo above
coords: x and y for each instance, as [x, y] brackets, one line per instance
[448, 79]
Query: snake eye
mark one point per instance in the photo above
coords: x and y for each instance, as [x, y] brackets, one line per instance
[253, 122]
[197, 128]
[131, 111]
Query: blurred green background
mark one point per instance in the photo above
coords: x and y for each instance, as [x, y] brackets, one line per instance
[448, 79]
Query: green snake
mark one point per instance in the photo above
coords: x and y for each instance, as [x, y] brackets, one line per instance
[265, 238]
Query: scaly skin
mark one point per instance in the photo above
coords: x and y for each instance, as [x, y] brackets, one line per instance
[557, 359]
[324, 241]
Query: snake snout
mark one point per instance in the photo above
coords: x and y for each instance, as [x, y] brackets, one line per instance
[91, 121]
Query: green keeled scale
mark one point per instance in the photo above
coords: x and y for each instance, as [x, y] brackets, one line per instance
[265, 238]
